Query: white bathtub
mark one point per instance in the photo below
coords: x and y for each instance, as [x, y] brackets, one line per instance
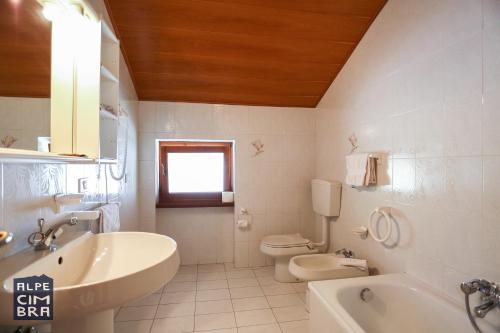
[399, 304]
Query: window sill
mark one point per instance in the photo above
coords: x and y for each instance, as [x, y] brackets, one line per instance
[194, 204]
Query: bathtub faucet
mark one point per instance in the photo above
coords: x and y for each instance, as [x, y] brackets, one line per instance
[490, 297]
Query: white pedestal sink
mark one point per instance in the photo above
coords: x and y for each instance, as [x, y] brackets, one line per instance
[92, 275]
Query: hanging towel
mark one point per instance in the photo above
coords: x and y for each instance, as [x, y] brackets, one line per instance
[110, 218]
[371, 172]
[357, 165]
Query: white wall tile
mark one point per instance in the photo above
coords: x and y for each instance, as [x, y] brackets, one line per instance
[274, 182]
[440, 84]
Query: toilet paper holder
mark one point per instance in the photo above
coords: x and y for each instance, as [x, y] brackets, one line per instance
[244, 219]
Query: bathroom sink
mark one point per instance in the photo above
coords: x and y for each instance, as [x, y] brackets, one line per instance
[325, 266]
[94, 274]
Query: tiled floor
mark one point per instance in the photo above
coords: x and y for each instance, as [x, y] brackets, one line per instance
[218, 299]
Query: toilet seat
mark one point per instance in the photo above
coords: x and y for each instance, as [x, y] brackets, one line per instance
[283, 247]
[285, 241]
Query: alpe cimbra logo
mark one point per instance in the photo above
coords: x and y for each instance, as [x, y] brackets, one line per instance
[33, 298]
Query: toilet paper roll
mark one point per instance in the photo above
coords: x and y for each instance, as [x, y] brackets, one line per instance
[242, 224]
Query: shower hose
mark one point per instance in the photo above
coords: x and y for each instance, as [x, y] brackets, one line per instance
[469, 314]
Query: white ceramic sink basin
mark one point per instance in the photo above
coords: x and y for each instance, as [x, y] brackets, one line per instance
[314, 267]
[97, 272]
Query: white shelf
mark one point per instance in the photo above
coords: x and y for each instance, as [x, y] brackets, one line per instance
[107, 114]
[107, 75]
[8, 155]
[107, 34]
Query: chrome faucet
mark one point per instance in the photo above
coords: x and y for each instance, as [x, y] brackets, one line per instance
[345, 252]
[43, 240]
[490, 297]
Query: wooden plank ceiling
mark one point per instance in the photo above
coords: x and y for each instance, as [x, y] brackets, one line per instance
[251, 52]
[24, 49]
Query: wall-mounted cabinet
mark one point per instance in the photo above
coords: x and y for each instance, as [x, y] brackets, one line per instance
[80, 93]
[93, 96]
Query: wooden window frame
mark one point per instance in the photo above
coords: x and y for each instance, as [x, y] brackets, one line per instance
[193, 199]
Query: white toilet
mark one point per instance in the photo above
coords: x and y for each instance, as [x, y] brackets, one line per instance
[326, 202]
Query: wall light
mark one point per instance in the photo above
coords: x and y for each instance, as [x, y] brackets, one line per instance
[55, 9]
[51, 10]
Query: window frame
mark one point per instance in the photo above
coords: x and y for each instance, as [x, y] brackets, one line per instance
[193, 199]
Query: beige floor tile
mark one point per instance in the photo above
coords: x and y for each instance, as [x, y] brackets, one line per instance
[301, 326]
[284, 300]
[269, 328]
[214, 321]
[184, 277]
[175, 310]
[246, 292]
[160, 290]
[266, 280]
[264, 271]
[178, 297]
[208, 276]
[300, 287]
[224, 330]
[303, 297]
[254, 317]
[180, 286]
[210, 307]
[244, 282]
[291, 313]
[278, 289]
[252, 303]
[212, 295]
[153, 299]
[136, 326]
[240, 274]
[173, 325]
[208, 268]
[136, 313]
[213, 284]
[188, 269]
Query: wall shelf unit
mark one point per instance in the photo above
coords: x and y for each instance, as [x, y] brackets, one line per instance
[109, 92]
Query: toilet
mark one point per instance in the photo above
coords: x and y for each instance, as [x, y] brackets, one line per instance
[326, 203]
[282, 248]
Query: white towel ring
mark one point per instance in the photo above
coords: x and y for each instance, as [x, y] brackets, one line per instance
[388, 225]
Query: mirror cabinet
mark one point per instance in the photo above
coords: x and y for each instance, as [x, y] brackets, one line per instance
[59, 91]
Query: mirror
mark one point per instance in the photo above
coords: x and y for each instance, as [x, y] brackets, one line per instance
[25, 76]
[59, 88]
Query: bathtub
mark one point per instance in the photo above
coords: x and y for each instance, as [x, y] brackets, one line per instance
[396, 303]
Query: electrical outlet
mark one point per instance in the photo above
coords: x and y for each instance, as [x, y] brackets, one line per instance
[83, 185]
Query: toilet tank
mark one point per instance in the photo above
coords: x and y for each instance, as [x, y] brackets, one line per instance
[326, 197]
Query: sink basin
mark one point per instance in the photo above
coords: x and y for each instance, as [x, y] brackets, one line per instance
[314, 267]
[94, 274]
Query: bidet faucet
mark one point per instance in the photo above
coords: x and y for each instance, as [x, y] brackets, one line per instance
[43, 240]
[345, 252]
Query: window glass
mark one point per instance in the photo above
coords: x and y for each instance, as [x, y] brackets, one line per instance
[195, 172]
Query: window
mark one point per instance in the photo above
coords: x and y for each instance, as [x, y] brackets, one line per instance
[194, 174]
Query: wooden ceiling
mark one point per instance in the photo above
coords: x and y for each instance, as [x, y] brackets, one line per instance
[250, 52]
[24, 49]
